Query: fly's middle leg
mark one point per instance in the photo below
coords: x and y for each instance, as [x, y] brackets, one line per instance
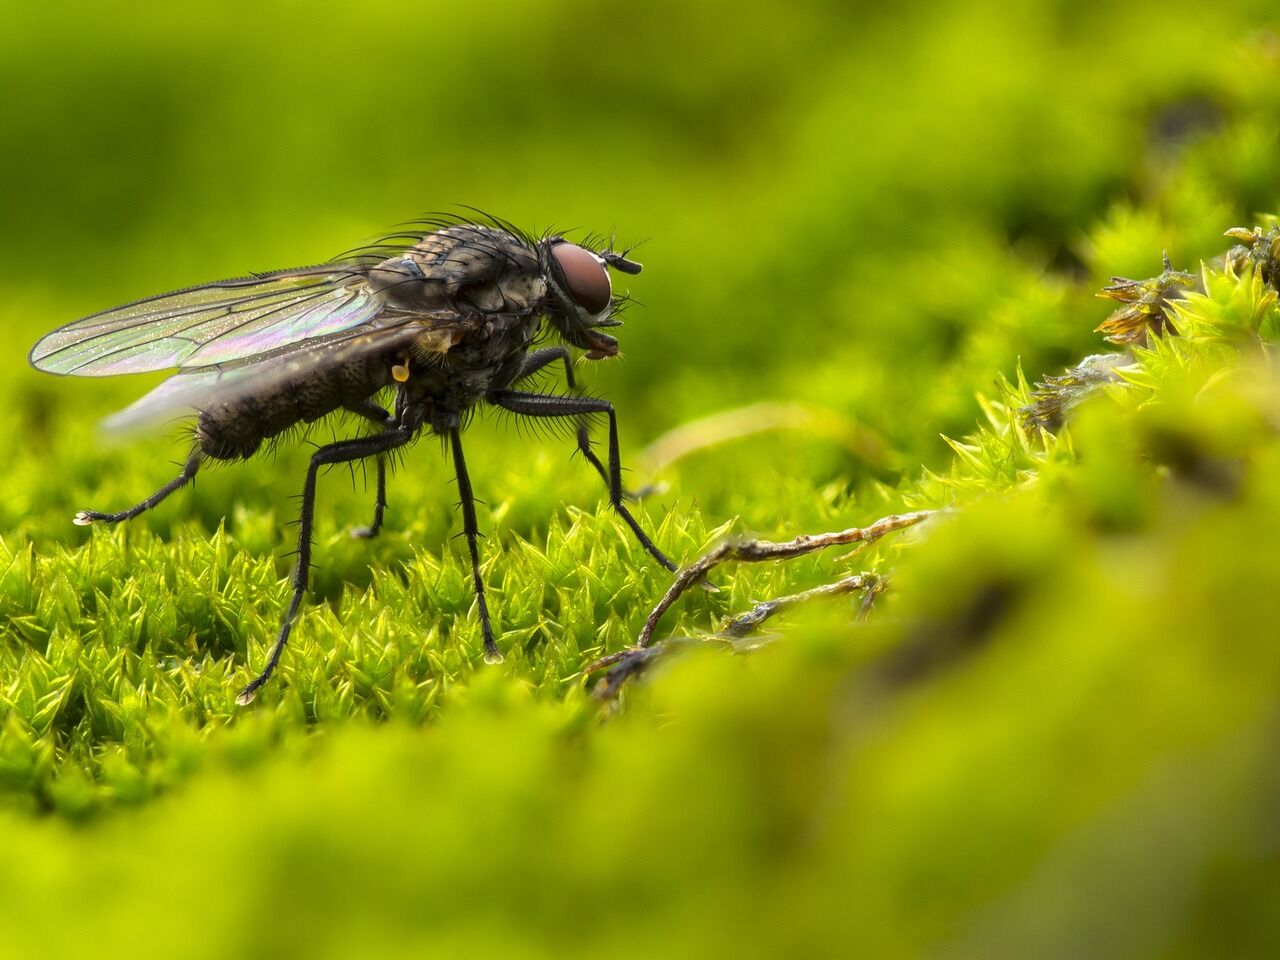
[379, 503]
[86, 517]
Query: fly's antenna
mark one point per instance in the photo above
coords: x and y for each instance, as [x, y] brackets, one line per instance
[620, 262]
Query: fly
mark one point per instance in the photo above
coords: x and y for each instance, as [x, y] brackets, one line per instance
[445, 314]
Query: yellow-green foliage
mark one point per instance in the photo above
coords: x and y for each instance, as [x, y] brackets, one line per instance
[1055, 733]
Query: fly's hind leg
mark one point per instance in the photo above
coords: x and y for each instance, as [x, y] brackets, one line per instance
[86, 517]
[375, 414]
[343, 451]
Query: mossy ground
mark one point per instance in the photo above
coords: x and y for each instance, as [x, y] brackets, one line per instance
[1054, 734]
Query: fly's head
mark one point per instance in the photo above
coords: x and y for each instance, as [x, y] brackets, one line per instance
[580, 297]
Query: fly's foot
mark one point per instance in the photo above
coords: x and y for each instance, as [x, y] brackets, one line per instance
[365, 533]
[492, 654]
[86, 518]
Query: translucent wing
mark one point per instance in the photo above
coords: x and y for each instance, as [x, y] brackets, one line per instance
[225, 384]
[213, 323]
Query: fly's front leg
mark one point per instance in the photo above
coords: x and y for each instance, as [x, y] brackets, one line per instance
[543, 405]
[342, 452]
[535, 361]
[538, 359]
[86, 517]
[374, 413]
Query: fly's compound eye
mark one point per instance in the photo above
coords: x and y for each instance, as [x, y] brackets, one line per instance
[585, 277]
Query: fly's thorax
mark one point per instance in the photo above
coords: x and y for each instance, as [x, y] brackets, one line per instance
[465, 267]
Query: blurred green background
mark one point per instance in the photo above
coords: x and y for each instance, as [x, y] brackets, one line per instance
[825, 196]
[861, 215]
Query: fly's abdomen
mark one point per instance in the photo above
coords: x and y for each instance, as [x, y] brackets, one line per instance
[236, 428]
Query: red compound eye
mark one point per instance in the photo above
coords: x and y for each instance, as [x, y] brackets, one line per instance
[585, 277]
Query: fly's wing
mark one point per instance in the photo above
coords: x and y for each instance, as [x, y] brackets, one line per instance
[213, 323]
[226, 383]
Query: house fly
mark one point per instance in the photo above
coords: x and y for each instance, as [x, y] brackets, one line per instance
[447, 313]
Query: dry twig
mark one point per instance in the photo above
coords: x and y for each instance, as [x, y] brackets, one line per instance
[632, 660]
[754, 551]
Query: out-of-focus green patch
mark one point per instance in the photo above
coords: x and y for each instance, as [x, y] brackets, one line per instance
[1054, 717]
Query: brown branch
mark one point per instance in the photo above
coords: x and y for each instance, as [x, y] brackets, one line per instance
[745, 623]
[621, 666]
[754, 551]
